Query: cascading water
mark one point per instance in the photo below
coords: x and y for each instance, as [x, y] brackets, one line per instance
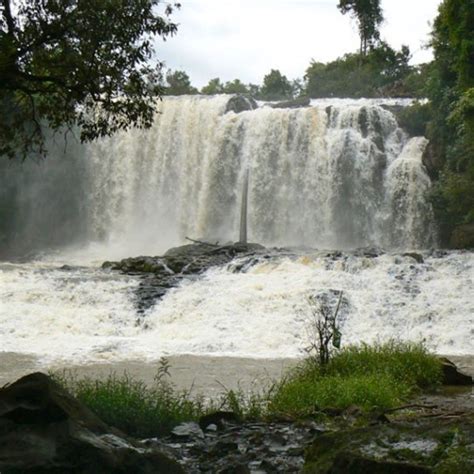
[339, 174]
[319, 177]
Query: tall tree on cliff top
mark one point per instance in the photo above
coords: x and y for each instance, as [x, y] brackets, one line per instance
[77, 62]
[369, 16]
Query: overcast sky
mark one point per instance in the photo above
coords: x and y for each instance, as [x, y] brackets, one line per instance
[246, 38]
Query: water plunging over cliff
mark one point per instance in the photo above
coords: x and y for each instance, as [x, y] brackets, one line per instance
[332, 176]
[339, 176]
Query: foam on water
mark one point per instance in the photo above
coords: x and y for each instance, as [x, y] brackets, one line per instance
[86, 314]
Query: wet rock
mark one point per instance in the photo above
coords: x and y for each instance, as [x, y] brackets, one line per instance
[44, 429]
[349, 462]
[415, 256]
[246, 447]
[432, 159]
[291, 104]
[240, 103]
[219, 418]
[189, 429]
[369, 252]
[159, 274]
[397, 448]
[452, 376]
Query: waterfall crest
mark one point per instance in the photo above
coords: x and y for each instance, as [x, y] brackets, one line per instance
[339, 176]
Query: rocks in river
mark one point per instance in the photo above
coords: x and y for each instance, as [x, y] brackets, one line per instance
[415, 256]
[159, 274]
[240, 103]
[291, 104]
[44, 429]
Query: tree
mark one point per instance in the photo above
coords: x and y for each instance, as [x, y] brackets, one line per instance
[381, 72]
[451, 129]
[179, 83]
[235, 87]
[369, 16]
[324, 329]
[275, 86]
[214, 86]
[77, 62]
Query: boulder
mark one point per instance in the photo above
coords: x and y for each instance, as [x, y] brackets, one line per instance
[432, 160]
[416, 256]
[240, 103]
[395, 448]
[462, 237]
[291, 104]
[451, 374]
[44, 429]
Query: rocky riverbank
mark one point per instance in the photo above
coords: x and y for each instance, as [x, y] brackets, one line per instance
[44, 429]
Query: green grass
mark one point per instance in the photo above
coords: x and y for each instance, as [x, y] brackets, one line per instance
[132, 406]
[378, 376]
[381, 376]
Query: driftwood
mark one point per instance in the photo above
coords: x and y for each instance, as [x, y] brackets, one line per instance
[194, 241]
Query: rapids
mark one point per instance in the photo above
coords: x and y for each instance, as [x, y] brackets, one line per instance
[337, 175]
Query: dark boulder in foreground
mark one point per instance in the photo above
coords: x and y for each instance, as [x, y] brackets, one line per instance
[43, 429]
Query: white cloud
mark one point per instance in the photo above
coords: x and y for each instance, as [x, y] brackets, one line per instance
[245, 39]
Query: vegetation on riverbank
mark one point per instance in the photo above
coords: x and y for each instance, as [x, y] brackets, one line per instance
[369, 377]
[379, 376]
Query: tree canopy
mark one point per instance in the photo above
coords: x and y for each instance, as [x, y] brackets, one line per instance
[178, 83]
[275, 86]
[369, 16]
[383, 71]
[451, 129]
[77, 62]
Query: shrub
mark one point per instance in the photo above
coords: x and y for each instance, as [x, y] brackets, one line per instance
[380, 376]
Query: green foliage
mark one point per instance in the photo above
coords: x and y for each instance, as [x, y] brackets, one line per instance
[214, 86]
[235, 87]
[369, 17]
[451, 129]
[302, 396]
[368, 376]
[414, 119]
[275, 86]
[178, 83]
[132, 406]
[85, 63]
[378, 73]
[404, 362]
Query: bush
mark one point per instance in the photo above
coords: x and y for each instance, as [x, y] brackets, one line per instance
[368, 376]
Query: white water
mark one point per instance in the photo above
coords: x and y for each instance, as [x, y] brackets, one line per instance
[319, 176]
[86, 315]
[337, 177]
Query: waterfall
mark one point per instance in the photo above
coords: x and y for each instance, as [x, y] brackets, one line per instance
[333, 175]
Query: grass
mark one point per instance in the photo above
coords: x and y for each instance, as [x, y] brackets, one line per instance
[132, 406]
[381, 376]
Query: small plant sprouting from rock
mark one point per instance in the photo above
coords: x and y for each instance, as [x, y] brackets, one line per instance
[324, 330]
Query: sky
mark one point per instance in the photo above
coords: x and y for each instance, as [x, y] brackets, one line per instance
[245, 39]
